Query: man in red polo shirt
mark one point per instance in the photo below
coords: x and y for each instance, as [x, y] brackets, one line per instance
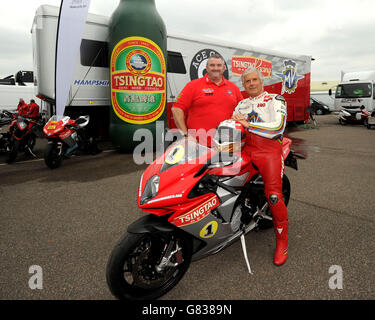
[206, 102]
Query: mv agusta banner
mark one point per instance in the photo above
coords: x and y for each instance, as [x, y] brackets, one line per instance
[72, 19]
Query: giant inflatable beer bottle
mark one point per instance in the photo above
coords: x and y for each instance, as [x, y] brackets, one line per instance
[137, 50]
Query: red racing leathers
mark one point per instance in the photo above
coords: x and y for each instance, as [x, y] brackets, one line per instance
[22, 108]
[266, 116]
[33, 111]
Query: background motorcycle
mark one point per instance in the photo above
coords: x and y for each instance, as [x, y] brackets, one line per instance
[23, 133]
[346, 117]
[370, 121]
[65, 137]
[194, 210]
[6, 118]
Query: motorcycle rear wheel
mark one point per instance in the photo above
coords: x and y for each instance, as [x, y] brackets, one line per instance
[131, 272]
[52, 158]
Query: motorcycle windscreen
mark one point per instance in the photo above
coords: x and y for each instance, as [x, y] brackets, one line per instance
[182, 151]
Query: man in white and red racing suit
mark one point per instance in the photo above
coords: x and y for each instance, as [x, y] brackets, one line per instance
[264, 117]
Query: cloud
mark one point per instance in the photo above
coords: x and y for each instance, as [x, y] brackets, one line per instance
[16, 54]
[338, 34]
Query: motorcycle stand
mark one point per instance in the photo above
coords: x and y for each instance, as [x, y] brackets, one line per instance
[243, 243]
[31, 152]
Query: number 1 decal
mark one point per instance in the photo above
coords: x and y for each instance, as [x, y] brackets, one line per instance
[209, 230]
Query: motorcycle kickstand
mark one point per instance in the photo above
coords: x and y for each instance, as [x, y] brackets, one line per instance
[243, 243]
[32, 153]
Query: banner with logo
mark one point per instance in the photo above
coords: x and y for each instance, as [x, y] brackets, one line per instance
[241, 63]
[138, 80]
[72, 19]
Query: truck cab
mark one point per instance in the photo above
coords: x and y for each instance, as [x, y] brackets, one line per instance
[16, 86]
[355, 90]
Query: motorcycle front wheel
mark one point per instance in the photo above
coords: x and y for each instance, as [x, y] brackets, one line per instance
[342, 122]
[52, 156]
[13, 150]
[135, 270]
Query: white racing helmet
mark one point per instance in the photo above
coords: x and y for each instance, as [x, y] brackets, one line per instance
[230, 136]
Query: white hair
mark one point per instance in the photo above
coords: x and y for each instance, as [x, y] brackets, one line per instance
[252, 69]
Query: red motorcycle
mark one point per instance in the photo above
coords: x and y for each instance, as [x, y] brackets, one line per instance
[66, 136]
[23, 133]
[197, 201]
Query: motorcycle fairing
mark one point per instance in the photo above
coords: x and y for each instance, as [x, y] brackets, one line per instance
[65, 134]
[206, 230]
[21, 127]
[194, 211]
[56, 126]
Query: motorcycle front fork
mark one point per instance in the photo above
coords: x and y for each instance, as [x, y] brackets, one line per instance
[168, 254]
[68, 151]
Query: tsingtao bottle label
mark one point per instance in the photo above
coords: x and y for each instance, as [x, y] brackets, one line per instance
[138, 80]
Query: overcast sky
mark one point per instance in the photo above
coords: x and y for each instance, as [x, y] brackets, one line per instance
[339, 34]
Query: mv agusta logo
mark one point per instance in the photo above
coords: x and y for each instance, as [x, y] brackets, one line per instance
[289, 77]
[198, 213]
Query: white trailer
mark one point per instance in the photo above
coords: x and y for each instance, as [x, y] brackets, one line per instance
[356, 89]
[285, 73]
